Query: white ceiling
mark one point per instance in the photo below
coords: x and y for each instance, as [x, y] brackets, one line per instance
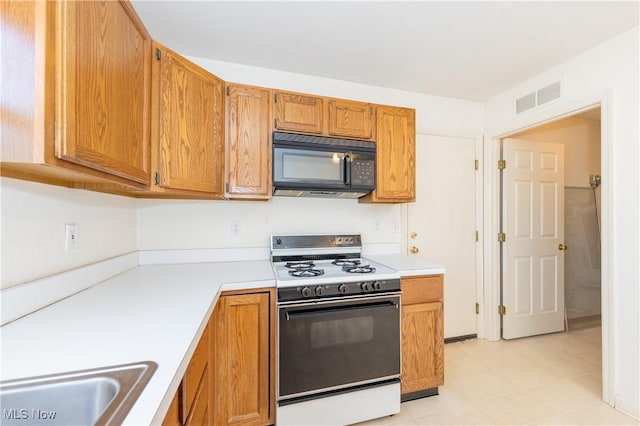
[467, 50]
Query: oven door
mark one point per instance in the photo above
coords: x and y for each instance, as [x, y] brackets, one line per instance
[325, 346]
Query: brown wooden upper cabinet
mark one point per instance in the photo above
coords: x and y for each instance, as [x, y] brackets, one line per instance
[296, 112]
[395, 156]
[187, 127]
[76, 93]
[302, 113]
[350, 119]
[248, 147]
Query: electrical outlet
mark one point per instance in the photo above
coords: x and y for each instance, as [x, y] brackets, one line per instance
[235, 228]
[396, 227]
[71, 236]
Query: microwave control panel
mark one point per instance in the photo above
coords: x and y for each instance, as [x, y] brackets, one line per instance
[363, 173]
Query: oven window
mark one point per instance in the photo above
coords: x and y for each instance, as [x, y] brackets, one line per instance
[329, 346]
[335, 333]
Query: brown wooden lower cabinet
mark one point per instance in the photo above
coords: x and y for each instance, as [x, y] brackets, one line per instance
[422, 335]
[230, 379]
[243, 358]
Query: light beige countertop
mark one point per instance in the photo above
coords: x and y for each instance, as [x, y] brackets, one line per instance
[408, 265]
[149, 313]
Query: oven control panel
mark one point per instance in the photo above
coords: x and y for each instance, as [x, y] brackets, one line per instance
[323, 291]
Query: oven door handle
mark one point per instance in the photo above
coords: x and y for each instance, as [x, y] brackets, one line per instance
[308, 313]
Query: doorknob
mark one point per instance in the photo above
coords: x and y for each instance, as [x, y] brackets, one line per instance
[413, 235]
[414, 249]
[562, 247]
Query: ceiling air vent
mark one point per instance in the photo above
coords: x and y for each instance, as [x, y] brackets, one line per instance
[539, 97]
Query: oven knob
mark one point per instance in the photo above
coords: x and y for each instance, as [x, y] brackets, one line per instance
[319, 290]
[342, 288]
[306, 292]
[366, 287]
[377, 285]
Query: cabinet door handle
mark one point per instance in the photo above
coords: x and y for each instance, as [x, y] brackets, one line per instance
[562, 247]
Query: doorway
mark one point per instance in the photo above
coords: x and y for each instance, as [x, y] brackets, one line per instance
[580, 135]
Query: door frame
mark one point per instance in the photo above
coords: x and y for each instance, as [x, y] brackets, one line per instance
[481, 289]
[558, 110]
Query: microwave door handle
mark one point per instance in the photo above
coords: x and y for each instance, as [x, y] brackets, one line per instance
[347, 169]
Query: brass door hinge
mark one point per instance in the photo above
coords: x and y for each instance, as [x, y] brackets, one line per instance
[502, 310]
[275, 97]
[228, 91]
[477, 164]
[158, 54]
[502, 237]
[477, 308]
[502, 164]
[226, 187]
[275, 123]
[477, 236]
[156, 178]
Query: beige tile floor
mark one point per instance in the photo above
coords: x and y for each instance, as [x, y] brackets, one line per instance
[554, 379]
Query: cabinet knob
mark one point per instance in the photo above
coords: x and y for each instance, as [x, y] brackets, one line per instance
[414, 249]
[562, 247]
[413, 235]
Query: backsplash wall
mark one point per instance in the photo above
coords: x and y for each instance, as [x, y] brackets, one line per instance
[33, 229]
[173, 224]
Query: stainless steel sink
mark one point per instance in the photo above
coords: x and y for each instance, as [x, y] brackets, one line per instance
[101, 396]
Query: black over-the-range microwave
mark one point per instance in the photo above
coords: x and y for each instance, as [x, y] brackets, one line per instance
[316, 166]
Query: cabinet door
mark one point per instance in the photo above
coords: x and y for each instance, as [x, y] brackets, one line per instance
[422, 346]
[103, 59]
[395, 155]
[350, 119]
[298, 113]
[242, 366]
[248, 142]
[189, 131]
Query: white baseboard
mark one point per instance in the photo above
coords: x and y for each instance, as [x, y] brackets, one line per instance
[629, 408]
[25, 298]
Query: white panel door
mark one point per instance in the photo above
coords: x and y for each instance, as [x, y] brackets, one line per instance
[533, 221]
[443, 219]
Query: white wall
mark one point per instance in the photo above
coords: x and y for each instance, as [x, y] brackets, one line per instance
[607, 73]
[33, 229]
[167, 224]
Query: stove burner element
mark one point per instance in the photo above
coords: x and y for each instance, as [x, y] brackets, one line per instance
[359, 269]
[305, 264]
[306, 272]
[346, 262]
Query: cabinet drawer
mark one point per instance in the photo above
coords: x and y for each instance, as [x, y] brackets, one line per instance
[421, 289]
[193, 376]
